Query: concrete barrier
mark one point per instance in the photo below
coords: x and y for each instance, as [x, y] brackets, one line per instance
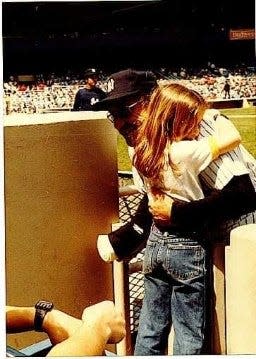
[61, 191]
[241, 291]
[233, 103]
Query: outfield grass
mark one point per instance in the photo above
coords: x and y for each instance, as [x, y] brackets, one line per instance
[245, 122]
[243, 118]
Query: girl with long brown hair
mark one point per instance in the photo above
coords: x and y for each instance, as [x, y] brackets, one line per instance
[170, 158]
[174, 113]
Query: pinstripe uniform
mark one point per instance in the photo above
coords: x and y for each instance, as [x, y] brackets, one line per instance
[220, 171]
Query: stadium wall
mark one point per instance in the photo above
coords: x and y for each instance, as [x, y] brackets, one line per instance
[61, 191]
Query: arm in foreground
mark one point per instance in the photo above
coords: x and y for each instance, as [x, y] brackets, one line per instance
[102, 324]
[57, 324]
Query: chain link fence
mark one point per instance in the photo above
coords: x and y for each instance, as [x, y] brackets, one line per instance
[127, 207]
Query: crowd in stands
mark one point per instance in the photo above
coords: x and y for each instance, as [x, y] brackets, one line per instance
[55, 93]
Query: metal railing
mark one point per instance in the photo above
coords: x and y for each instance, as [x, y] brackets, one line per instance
[129, 272]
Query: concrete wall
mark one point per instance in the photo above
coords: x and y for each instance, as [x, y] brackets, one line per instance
[241, 291]
[61, 191]
[233, 103]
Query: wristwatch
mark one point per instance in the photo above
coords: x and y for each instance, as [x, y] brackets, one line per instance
[42, 308]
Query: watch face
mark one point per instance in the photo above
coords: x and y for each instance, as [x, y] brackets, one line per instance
[42, 304]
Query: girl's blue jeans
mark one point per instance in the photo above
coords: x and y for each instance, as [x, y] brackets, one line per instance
[175, 294]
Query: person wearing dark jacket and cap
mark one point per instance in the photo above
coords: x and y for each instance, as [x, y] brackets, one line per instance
[126, 89]
[176, 297]
[129, 89]
[86, 97]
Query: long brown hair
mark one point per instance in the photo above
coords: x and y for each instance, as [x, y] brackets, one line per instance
[173, 114]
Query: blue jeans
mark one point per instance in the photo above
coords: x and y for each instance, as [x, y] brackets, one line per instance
[175, 294]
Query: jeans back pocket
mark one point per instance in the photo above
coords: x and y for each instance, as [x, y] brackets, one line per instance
[185, 261]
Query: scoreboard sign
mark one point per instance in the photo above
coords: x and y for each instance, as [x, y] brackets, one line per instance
[242, 34]
[26, 78]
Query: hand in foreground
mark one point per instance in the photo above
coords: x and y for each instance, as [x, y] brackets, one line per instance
[102, 323]
[160, 207]
[107, 318]
[60, 326]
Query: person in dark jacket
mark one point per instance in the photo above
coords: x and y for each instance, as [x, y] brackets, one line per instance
[127, 89]
[226, 89]
[172, 294]
[86, 97]
[100, 324]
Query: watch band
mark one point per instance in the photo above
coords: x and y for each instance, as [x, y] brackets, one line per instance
[42, 308]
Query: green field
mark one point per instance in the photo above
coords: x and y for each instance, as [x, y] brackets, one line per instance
[243, 118]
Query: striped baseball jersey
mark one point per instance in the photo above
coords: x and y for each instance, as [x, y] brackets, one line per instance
[233, 163]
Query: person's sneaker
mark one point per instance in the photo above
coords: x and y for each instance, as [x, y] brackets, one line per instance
[105, 248]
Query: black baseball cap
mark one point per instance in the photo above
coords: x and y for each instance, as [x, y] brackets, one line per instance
[125, 84]
[90, 72]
